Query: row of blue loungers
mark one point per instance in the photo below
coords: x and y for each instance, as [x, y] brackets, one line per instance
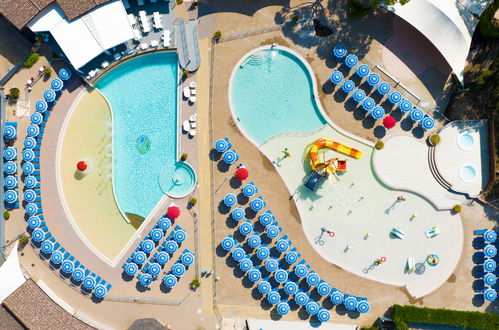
[269, 260]
[50, 250]
[151, 256]
[487, 276]
[383, 88]
[11, 199]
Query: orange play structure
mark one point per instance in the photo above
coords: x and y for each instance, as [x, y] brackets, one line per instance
[332, 165]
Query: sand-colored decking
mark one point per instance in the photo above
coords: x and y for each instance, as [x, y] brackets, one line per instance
[449, 157]
[90, 199]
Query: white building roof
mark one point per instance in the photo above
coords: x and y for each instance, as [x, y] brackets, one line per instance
[87, 36]
[11, 275]
[447, 24]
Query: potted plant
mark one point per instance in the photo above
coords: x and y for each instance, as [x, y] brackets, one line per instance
[379, 145]
[456, 209]
[195, 283]
[193, 201]
[217, 35]
[6, 215]
[183, 157]
[47, 72]
[14, 93]
[434, 139]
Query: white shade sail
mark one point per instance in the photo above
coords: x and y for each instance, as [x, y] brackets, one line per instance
[11, 275]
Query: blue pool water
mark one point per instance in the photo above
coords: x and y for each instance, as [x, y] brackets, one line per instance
[143, 96]
[272, 93]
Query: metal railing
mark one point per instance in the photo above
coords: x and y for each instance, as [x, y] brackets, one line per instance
[249, 33]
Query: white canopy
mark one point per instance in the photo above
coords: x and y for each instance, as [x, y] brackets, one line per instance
[86, 37]
[447, 24]
[11, 275]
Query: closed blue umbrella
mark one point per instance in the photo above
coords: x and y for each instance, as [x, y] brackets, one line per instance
[254, 241]
[33, 130]
[249, 190]
[56, 84]
[162, 258]
[301, 270]
[351, 60]
[274, 297]
[246, 264]
[10, 196]
[29, 195]
[301, 298]
[10, 167]
[266, 219]
[490, 251]
[67, 266]
[31, 209]
[254, 275]
[362, 71]
[339, 51]
[49, 95]
[313, 279]
[238, 254]
[323, 288]
[57, 257]
[154, 269]
[359, 95]
[257, 204]
[47, 247]
[323, 315]
[312, 307]
[405, 106]
[187, 258]
[383, 88]
[139, 257]
[490, 236]
[290, 288]
[272, 231]
[78, 274]
[131, 269]
[29, 142]
[10, 182]
[164, 224]
[147, 245]
[373, 79]
[416, 114]
[145, 280]
[350, 303]
[336, 297]
[221, 145]
[171, 247]
[230, 200]
[245, 228]
[28, 155]
[227, 243]
[156, 234]
[100, 291]
[490, 279]
[178, 270]
[336, 77]
[36, 118]
[28, 168]
[229, 157]
[271, 265]
[264, 287]
[238, 214]
[282, 245]
[378, 113]
[395, 97]
[170, 280]
[490, 295]
[427, 123]
[368, 104]
[262, 253]
[281, 276]
[348, 86]
[9, 132]
[283, 308]
[41, 106]
[34, 222]
[9, 153]
[64, 73]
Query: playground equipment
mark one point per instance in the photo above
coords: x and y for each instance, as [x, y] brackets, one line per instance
[432, 260]
[329, 232]
[397, 233]
[379, 261]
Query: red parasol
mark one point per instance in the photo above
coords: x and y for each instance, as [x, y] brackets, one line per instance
[81, 166]
[389, 122]
[242, 173]
[173, 212]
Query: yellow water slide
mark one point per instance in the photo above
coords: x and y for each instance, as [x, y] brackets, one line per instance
[333, 145]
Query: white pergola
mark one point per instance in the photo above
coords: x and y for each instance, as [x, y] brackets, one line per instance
[87, 36]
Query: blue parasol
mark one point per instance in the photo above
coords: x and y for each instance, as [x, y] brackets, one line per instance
[131, 269]
[179, 236]
[78, 274]
[156, 234]
[171, 247]
[323, 288]
[271, 265]
[10, 167]
[490, 279]
[272, 231]
[49, 95]
[29, 142]
[416, 114]
[373, 79]
[336, 297]
[254, 241]
[47, 247]
[154, 269]
[490, 251]
[348, 86]
[274, 297]
[368, 104]
[145, 280]
[170, 281]
[490, 294]
[28, 168]
[187, 258]
[427, 123]
[383, 88]
[230, 200]
[238, 214]
[56, 84]
[313, 279]
[147, 245]
[33, 130]
[301, 298]
[34, 222]
[29, 195]
[323, 315]
[249, 190]
[312, 307]
[31, 209]
[36, 118]
[264, 287]
[336, 77]
[227, 243]
[178, 270]
[350, 303]
[9, 132]
[378, 113]
[257, 204]
[363, 70]
[281, 276]
[57, 257]
[490, 236]
[339, 51]
[139, 257]
[283, 308]
[41, 106]
[100, 291]
[246, 264]
[238, 254]
[358, 95]
[266, 218]
[282, 245]
[230, 156]
[10, 196]
[162, 258]
[351, 60]
[164, 224]
[405, 106]
[301, 270]
[290, 288]
[262, 253]
[9, 153]
[395, 97]
[291, 257]
[64, 73]
[254, 275]
[10, 182]
[28, 155]
[67, 266]
[221, 145]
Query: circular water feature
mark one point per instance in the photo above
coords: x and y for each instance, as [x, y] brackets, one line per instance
[465, 141]
[468, 173]
[179, 182]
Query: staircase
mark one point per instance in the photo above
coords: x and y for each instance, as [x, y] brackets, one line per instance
[434, 169]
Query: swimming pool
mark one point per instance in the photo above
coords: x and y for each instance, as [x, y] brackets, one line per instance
[271, 92]
[143, 96]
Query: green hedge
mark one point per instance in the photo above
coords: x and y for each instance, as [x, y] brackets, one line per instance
[476, 320]
[31, 60]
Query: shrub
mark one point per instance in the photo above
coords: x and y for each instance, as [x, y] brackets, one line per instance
[14, 93]
[295, 18]
[195, 283]
[48, 72]
[435, 139]
[358, 9]
[31, 60]
[217, 35]
[183, 157]
[6, 215]
[185, 73]
[379, 145]
[193, 201]
[23, 239]
[456, 208]
[179, 2]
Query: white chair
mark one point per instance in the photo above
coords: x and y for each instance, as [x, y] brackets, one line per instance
[144, 46]
[154, 43]
[132, 19]
[186, 126]
[187, 92]
[192, 84]
[105, 64]
[192, 118]
[193, 125]
[192, 133]
[192, 99]
[126, 4]
[138, 34]
[166, 38]
[193, 91]
[117, 56]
